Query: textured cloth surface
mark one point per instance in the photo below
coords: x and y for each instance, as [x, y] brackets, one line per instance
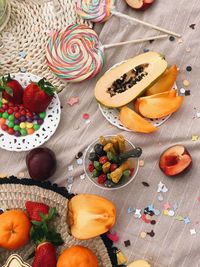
[172, 245]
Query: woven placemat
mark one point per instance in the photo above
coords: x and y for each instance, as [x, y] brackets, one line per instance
[13, 194]
[30, 25]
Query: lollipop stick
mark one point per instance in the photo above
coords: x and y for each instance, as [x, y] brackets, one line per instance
[118, 14]
[136, 41]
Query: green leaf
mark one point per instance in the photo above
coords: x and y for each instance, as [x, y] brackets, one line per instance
[42, 216]
[36, 223]
[52, 213]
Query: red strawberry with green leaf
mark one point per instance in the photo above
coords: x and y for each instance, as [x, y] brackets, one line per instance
[45, 255]
[37, 96]
[11, 90]
[35, 209]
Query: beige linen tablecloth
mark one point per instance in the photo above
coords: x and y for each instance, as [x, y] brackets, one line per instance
[173, 244]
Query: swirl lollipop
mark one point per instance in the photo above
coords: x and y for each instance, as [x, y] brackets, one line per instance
[101, 10]
[76, 54]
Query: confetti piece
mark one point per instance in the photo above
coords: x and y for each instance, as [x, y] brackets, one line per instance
[69, 188]
[121, 259]
[187, 92]
[137, 213]
[189, 68]
[165, 212]
[186, 83]
[179, 218]
[72, 101]
[143, 235]
[151, 207]
[151, 233]
[167, 206]
[186, 220]
[22, 54]
[79, 161]
[23, 70]
[198, 115]
[148, 217]
[182, 91]
[193, 231]
[129, 210]
[70, 180]
[188, 49]
[180, 41]
[171, 213]
[153, 222]
[162, 188]
[157, 212]
[87, 121]
[113, 237]
[144, 218]
[175, 206]
[192, 26]
[3, 175]
[82, 176]
[141, 162]
[86, 116]
[145, 50]
[70, 168]
[79, 155]
[160, 197]
[145, 184]
[172, 38]
[127, 243]
[195, 137]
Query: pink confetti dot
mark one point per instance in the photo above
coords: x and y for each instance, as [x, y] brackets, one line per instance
[113, 237]
[86, 116]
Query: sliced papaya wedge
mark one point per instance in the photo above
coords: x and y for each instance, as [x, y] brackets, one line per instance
[154, 108]
[165, 82]
[135, 122]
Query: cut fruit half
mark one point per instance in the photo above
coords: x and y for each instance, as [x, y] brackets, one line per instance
[140, 4]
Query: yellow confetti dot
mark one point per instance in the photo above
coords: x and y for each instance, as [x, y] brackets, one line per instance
[141, 163]
[195, 137]
[143, 235]
[165, 212]
[29, 125]
[22, 125]
[186, 83]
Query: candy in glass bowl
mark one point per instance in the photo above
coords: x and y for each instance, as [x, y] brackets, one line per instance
[111, 162]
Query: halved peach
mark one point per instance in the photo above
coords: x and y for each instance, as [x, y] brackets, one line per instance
[131, 120]
[90, 215]
[165, 83]
[159, 107]
[175, 160]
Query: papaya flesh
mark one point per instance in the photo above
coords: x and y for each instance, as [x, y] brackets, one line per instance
[165, 82]
[127, 81]
[131, 120]
[154, 108]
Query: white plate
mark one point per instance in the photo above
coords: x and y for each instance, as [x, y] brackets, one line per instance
[47, 129]
[112, 114]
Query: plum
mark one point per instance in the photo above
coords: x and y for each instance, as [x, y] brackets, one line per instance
[41, 163]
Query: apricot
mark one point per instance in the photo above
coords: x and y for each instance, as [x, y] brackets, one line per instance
[165, 82]
[135, 122]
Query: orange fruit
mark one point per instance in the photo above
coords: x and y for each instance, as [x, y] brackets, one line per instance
[77, 256]
[14, 229]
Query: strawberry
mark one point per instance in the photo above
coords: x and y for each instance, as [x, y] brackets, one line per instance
[37, 96]
[45, 255]
[34, 209]
[11, 90]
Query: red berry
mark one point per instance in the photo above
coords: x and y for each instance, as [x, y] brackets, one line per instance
[4, 127]
[102, 178]
[90, 167]
[10, 111]
[132, 171]
[10, 131]
[5, 106]
[17, 115]
[113, 167]
[103, 160]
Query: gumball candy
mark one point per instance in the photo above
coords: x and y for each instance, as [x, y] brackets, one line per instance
[4, 127]
[5, 115]
[1, 110]
[23, 132]
[10, 131]
[29, 119]
[23, 112]
[11, 117]
[30, 131]
[22, 118]
[16, 128]
[17, 134]
[36, 117]
[17, 115]
[2, 121]
[40, 121]
[42, 115]
[15, 109]
[29, 125]
[29, 114]
[5, 106]
[10, 104]
[16, 121]
[10, 111]
[22, 125]
[36, 127]
[11, 124]
[75, 54]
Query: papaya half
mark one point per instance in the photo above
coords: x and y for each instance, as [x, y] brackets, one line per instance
[127, 81]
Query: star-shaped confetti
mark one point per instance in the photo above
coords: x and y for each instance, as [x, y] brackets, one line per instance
[72, 101]
[129, 210]
[167, 206]
[79, 161]
[151, 207]
[162, 188]
[179, 218]
[195, 137]
[157, 212]
[193, 231]
[186, 220]
[70, 168]
[171, 213]
[22, 54]
[82, 176]
[138, 213]
[165, 212]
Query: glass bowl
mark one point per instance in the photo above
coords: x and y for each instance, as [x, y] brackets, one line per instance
[124, 181]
